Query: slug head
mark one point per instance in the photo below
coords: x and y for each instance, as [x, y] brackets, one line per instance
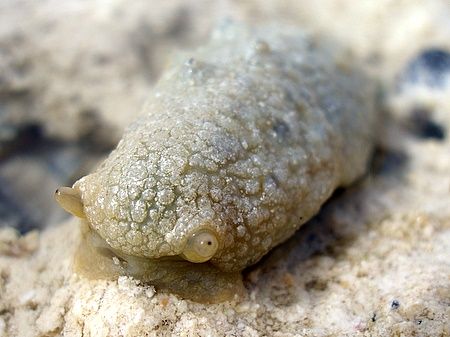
[189, 274]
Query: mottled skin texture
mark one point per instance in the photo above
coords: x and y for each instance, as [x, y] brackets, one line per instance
[247, 136]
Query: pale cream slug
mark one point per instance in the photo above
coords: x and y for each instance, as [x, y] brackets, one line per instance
[240, 143]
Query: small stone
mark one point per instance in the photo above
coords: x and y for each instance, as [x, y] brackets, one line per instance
[424, 126]
[431, 68]
[395, 304]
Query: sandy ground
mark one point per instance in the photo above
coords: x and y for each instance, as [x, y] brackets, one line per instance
[374, 262]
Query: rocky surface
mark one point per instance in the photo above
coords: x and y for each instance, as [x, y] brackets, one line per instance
[374, 262]
[77, 68]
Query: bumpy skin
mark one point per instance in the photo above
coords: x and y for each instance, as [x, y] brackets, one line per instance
[247, 136]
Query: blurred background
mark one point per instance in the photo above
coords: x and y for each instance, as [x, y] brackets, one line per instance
[74, 73]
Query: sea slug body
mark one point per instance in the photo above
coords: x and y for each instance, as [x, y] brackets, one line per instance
[240, 143]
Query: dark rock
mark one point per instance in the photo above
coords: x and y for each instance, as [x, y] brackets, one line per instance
[430, 68]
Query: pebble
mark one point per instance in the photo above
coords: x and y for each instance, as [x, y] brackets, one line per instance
[430, 68]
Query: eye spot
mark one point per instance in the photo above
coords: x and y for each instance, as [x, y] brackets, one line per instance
[201, 246]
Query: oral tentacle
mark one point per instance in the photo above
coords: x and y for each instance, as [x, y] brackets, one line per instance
[70, 200]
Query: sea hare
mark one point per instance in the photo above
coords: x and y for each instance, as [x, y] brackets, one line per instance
[240, 143]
